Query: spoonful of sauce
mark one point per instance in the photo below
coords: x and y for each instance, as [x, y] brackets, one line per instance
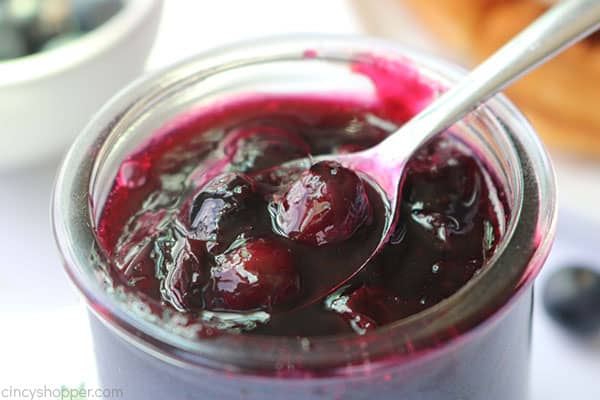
[384, 164]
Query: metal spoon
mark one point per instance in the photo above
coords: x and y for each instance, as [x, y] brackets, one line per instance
[563, 25]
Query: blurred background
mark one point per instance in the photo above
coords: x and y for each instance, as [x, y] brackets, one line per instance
[61, 59]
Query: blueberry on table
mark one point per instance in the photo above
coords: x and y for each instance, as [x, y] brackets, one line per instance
[326, 204]
[258, 274]
[572, 297]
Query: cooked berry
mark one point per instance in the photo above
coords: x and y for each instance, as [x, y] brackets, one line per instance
[184, 282]
[255, 148]
[368, 307]
[259, 274]
[443, 178]
[140, 272]
[327, 204]
[223, 209]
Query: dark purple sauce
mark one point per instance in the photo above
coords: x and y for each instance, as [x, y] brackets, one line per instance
[199, 220]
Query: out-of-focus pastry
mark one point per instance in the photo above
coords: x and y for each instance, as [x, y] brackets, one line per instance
[561, 98]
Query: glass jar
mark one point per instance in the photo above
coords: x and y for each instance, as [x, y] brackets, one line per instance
[473, 345]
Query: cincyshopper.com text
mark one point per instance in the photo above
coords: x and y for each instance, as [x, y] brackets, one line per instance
[58, 393]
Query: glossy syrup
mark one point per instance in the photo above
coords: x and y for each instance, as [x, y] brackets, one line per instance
[448, 226]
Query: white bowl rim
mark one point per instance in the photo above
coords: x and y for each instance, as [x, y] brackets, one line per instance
[88, 46]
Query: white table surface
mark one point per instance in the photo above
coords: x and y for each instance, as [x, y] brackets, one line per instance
[44, 337]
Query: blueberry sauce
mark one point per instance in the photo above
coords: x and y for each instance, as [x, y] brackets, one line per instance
[200, 221]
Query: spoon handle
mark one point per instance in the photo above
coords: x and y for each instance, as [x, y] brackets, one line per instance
[564, 24]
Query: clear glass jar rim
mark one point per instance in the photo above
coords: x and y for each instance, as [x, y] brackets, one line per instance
[530, 244]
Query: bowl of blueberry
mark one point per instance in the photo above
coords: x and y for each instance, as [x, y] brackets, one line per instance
[198, 254]
[60, 60]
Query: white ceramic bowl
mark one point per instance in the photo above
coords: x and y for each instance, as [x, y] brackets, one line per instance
[46, 98]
